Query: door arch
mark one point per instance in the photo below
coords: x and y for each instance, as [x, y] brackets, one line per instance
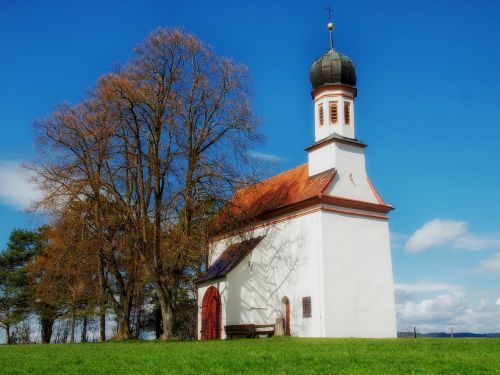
[286, 303]
[211, 315]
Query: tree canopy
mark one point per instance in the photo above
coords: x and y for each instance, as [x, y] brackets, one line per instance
[134, 175]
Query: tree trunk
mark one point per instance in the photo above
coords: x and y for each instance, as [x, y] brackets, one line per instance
[122, 311]
[84, 329]
[47, 323]
[167, 318]
[157, 318]
[102, 323]
[138, 323]
[73, 324]
[7, 333]
[123, 329]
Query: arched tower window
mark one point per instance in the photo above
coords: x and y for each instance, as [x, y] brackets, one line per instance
[347, 113]
[320, 114]
[333, 112]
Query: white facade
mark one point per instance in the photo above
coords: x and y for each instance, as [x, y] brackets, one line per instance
[334, 255]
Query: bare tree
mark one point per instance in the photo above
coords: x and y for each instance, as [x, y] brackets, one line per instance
[185, 123]
[154, 152]
[74, 144]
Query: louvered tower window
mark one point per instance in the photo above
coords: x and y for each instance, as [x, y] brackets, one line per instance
[333, 112]
[320, 114]
[347, 113]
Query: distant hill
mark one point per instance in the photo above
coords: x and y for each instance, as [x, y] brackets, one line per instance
[447, 334]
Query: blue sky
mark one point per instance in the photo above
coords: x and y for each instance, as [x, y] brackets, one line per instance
[428, 106]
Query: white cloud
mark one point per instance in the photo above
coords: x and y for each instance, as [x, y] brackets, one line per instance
[16, 190]
[477, 242]
[452, 233]
[490, 265]
[398, 239]
[434, 233]
[434, 307]
[265, 157]
[426, 286]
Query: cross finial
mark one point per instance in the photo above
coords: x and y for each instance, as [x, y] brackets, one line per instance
[330, 23]
[330, 11]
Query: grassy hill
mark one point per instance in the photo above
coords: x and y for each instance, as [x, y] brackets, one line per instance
[275, 355]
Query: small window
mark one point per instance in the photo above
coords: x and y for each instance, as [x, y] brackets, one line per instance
[320, 114]
[306, 307]
[347, 113]
[333, 113]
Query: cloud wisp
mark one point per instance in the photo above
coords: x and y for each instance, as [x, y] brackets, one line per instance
[435, 307]
[490, 266]
[266, 157]
[16, 190]
[452, 233]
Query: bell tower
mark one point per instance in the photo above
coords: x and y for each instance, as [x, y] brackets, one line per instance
[333, 80]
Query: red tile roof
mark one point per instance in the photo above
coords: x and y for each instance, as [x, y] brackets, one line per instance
[285, 189]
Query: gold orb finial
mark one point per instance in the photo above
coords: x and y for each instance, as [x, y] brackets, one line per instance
[330, 26]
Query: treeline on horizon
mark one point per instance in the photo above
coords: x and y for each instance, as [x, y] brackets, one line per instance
[133, 179]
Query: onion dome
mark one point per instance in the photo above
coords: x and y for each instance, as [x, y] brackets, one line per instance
[332, 68]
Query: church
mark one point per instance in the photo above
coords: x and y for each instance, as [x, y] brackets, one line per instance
[313, 257]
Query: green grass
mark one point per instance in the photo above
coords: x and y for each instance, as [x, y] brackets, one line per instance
[275, 355]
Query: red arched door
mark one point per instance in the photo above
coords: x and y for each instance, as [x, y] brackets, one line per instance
[211, 315]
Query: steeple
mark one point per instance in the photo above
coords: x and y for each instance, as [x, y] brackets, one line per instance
[333, 81]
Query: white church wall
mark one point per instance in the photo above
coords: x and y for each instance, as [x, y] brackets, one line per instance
[321, 159]
[352, 186]
[287, 263]
[240, 300]
[358, 284]
[349, 158]
[349, 162]
[342, 262]
[339, 156]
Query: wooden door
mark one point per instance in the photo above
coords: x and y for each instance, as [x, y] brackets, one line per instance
[287, 317]
[211, 315]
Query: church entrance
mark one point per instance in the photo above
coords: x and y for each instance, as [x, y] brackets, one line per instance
[211, 315]
[286, 303]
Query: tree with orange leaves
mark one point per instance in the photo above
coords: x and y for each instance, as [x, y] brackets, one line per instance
[158, 146]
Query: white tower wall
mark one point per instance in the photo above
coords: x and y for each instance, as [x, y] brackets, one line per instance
[358, 284]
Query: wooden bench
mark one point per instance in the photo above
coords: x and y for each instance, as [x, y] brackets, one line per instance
[264, 330]
[249, 330]
[240, 330]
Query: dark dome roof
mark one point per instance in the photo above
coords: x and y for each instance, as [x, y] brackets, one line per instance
[332, 68]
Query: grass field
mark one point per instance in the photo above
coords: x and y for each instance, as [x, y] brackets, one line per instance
[275, 355]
